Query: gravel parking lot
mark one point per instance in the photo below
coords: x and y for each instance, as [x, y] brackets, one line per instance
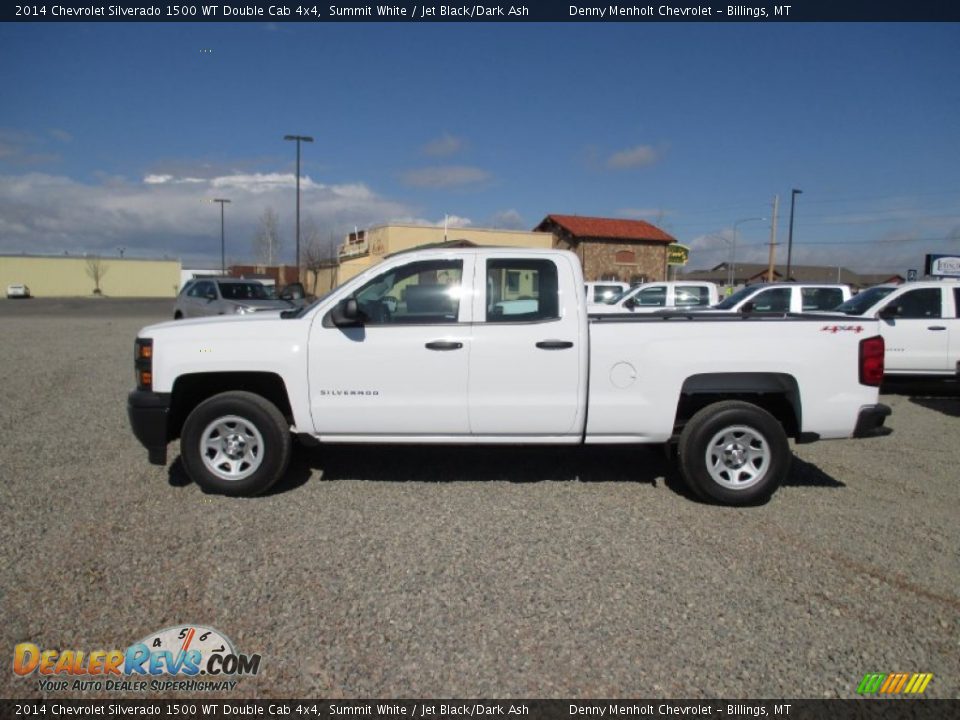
[417, 572]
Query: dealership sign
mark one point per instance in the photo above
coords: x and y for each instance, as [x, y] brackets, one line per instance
[677, 254]
[943, 265]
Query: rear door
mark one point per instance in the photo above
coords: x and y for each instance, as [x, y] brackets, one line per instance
[917, 339]
[528, 350]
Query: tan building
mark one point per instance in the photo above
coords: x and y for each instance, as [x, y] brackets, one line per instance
[611, 248]
[66, 276]
[368, 247]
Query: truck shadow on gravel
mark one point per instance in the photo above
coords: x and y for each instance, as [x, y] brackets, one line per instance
[602, 464]
[940, 395]
[436, 464]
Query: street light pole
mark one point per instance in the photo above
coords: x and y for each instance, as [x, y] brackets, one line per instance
[223, 244]
[733, 248]
[793, 199]
[298, 139]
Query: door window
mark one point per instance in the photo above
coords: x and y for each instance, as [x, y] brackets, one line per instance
[522, 290]
[772, 300]
[426, 292]
[692, 296]
[919, 304]
[821, 298]
[203, 289]
[655, 296]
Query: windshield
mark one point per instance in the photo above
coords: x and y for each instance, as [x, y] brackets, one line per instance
[300, 312]
[243, 291]
[731, 300]
[864, 300]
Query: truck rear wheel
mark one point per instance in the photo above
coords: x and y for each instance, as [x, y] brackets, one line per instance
[734, 453]
[235, 443]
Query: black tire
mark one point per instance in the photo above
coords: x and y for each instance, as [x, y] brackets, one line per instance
[734, 453]
[178, 315]
[251, 428]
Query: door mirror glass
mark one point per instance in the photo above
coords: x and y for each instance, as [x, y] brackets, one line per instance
[346, 313]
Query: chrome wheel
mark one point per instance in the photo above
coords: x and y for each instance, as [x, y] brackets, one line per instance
[231, 448]
[738, 457]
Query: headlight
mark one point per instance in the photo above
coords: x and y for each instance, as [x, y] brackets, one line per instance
[242, 309]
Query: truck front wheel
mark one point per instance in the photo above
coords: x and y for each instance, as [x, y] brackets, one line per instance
[734, 453]
[235, 443]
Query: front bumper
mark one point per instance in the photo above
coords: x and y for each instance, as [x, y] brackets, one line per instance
[148, 413]
[870, 422]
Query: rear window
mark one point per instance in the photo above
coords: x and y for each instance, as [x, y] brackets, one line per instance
[821, 298]
[522, 290]
[692, 296]
[243, 291]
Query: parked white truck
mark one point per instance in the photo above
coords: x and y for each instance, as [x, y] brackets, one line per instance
[919, 322]
[418, 350]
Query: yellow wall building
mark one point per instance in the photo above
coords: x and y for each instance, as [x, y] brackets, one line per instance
[366, 248]
[72, 276]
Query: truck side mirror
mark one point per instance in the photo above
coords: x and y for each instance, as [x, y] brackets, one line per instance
[346, 313]
[889, 312]
[747, 307]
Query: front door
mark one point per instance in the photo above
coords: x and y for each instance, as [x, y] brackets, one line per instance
[917, 338]
[403, 373]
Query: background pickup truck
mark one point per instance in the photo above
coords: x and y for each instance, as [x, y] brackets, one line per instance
[920, 324]
[418, 349]
[785, 297]
[651, 297]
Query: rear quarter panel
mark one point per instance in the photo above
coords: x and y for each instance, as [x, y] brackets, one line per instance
[638, 367]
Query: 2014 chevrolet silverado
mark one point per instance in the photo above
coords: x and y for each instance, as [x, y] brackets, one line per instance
[487, 345]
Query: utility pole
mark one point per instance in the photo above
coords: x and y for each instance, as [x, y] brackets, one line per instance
[223, 245]
[299, 139]
[773, 238]
[793, 200]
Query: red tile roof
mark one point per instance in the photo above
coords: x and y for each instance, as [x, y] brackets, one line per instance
[581, 226]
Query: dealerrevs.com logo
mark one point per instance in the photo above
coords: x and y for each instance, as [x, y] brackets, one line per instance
[183, 657]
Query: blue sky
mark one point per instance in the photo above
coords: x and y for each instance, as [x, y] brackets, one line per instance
[111, 135]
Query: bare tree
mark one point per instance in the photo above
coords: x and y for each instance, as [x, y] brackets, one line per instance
[96, 269]
[266, 243]
[317, 252]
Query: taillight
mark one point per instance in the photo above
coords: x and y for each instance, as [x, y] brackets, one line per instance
[871, 361]
[143, 362]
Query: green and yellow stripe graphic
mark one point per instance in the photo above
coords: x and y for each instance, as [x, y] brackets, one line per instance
[894, 683]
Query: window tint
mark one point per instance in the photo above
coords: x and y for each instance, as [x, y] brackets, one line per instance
[922, 303]
[655, 296]
[243, 291]
[772, 300]
[522, 290]
[956, 302]
[420, 292]
[692, 296]
[821, 298]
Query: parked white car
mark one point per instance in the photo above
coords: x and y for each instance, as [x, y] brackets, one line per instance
[18, 290]
[920, 323]
[668, 295]
[785, 297]
[604, 291]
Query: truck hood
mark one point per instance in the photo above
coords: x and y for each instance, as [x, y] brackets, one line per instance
[234, 325]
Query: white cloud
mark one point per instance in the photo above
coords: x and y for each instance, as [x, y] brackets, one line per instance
[508, 219]
[445, 176]
[165, 214]
[639, 156]
[452, 221]
[444, 146]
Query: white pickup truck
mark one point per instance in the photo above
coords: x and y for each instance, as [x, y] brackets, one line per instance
[919, 322]
[659, 296]
[418, 350]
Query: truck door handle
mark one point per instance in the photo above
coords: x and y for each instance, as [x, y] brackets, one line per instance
[554, 344]
[444, 345]
[936, 327]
